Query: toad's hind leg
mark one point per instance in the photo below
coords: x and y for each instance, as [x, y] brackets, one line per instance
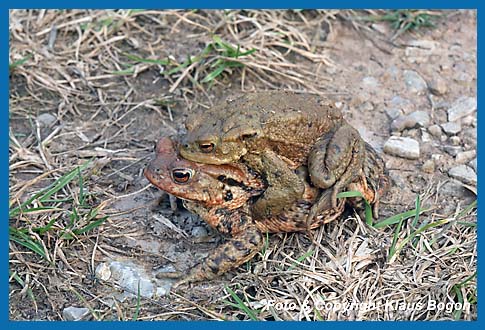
[335, 161]
[242, 247]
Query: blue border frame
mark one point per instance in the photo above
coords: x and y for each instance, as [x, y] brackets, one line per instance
[265, 4]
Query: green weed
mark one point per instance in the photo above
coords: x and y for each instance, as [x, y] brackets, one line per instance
[252, 314]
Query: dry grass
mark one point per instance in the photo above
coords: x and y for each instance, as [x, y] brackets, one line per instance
[115, 82]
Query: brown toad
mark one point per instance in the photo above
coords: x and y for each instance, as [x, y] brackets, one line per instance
[274, 133]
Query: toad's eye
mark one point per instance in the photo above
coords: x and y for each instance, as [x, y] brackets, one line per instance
[206, 147]
[181, 175]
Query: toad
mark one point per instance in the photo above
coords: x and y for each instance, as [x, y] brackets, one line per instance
[274, 133]
[222, 196]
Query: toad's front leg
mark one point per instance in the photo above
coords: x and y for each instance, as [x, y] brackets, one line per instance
[285, 187]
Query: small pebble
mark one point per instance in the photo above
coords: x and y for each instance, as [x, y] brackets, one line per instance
[465, 156]
[402, 147]
[366, 106]
[435, 130]
[46, 119]
[370, 82]
[452, 150]
[452, 188]
[428, 166]
[462, 107]
[72, 313]
[403, 104]
[199, 232]
[103, 271]
[393, 113]
[464, 174]
[416, 118]
[455, 140]
[473, 164]
[451, 128]
[414, 82]
[425, 137]
[438, 86]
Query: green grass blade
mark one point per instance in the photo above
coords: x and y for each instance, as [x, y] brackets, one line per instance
[26, 241]
[418, 209]
[137, 309]
[300, 259]
[211, 76]
[20, 62]
[369, 218]
[241, 305]
[90, 226]
[392, 249]
[145, 60]
[396, 218]
[46, 193]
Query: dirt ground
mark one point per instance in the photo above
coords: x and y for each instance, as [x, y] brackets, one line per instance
[104, 86]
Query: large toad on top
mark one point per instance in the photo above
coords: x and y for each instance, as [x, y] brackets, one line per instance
[274, 133]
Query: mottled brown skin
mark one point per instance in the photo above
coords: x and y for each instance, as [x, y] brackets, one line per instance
[221, 195]
[373, 182]
[274, 133]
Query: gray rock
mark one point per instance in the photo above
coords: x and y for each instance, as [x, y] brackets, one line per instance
[401, 103]
[465, 157]
[462, 107]
[370, 82]
[452, 150]
[72, 313]
[130, 277]
[464, 174]
[393, 113]
[199, 231]
[416, 118]
[414, 82]
[421, 118]
[452, 188]
[473, 164]
[46, 119]
[435, 130]
[438, 86]
[451, 128]
[402, 147]
[366, 106]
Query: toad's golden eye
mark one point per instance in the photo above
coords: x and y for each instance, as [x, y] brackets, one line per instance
[182, 175]
[206, 147]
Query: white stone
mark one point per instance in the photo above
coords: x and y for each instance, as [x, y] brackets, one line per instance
[72, 313]
[465, 156]
[103, 272]
[451, 128]
[402, 147]
[462, 107]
